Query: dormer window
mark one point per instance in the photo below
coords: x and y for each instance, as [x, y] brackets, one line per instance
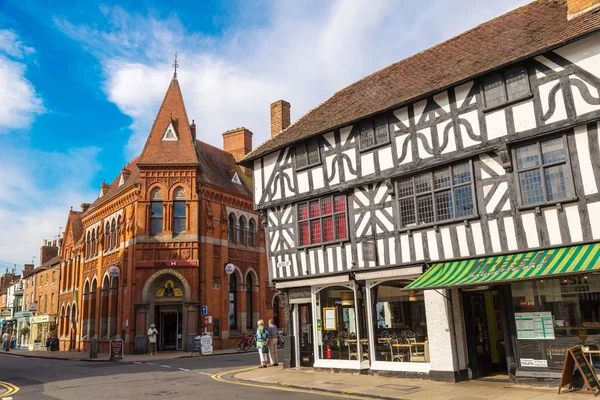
[506, 86]
[374, 132]
[307, 154]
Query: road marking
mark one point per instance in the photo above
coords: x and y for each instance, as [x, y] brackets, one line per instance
[219, 377]
[137, 362]
[10, 389]
[166, 366]
[183, 369]
[150, 363]
[205, 373]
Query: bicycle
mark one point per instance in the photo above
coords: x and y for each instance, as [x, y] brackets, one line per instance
[247, 341]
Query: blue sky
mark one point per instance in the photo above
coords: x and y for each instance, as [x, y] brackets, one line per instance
[81, 81]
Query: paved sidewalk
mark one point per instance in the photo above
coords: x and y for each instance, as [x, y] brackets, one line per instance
[103, 357]
[400, 388]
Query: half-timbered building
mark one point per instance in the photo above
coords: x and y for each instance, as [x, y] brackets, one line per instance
[440, 216]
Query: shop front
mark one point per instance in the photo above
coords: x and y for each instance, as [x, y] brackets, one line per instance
[40, 326]
[22, 331]
[523, 311]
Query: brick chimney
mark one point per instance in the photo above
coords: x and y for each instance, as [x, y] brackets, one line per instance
[280, 116]
[85, 206]
[48, 250]
[193, 130]
[27, 269]
[237, 142]
[579, 7]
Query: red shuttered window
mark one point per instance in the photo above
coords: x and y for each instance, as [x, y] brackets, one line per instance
[322, 221]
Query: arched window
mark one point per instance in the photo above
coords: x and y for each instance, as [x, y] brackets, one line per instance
[156, 211]
[232, 302]
[242, 231]
[66, 319]
[94, 247]
[107, 237]
[249, 310]
[113, 234]
[251, 230]
[179, 223]
[88, 243]
[231, 227]
[117, 236]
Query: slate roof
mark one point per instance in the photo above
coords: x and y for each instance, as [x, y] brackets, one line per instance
[519, 34]
[53, 261]
[217, 168]
[114, 189]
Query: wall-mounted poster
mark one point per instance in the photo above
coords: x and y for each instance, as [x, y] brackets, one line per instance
[329, 318]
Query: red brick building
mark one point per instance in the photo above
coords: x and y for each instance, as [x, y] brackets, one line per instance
[152, 248]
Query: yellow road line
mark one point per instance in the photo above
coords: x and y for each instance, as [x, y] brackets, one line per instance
[10, 389]
[219, 377]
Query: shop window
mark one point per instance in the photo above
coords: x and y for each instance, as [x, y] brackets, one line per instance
[505, 87]
[399, 323]
[251, 232]
[307, 154]
[341, 324]
[231, 226]
[544, 172]
[232, 302]
[374, 132]
[322, 221]
[568, 310]
[444, 194]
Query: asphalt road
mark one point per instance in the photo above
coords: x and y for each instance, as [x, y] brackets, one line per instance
[185, 378]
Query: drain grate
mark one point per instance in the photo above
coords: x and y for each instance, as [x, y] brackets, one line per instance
[398, 387]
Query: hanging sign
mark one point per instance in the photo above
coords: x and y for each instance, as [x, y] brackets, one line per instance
[575, 358]
[114, 271]
[116, 349]
[229, 268]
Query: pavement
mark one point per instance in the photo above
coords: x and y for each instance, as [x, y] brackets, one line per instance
[104, 357]
[379, 387]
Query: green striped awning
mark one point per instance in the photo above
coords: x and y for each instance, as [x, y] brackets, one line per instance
[512, 267]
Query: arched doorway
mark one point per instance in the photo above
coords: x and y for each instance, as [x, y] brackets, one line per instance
[166, 294]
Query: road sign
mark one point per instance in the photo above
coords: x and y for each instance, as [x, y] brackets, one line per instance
[229, 268]
[204, 310]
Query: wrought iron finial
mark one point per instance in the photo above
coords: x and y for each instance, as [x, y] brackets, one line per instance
[175, 64]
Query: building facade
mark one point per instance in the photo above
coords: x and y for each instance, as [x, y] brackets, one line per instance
[439, 217]
[153, 247]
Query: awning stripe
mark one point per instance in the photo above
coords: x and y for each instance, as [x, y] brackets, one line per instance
[511, 267]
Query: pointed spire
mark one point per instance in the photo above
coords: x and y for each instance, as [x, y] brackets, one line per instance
[170, 140]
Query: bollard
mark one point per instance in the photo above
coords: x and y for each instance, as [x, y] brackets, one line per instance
[94, 347]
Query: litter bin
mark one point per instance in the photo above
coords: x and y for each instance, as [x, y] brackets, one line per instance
[55, 344]
[94, 347]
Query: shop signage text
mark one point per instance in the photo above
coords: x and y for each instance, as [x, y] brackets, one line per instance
[284, 264]
[114, 271]
[534, 325]
[388, 273]
[299, 295]
[5, 313]
[311, 282]
[39, 319]
[116, 349]
[32, 306]
[229, 268]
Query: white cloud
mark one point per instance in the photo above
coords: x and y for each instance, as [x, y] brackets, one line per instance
[20, 102]
[305, 53]
[37, 191]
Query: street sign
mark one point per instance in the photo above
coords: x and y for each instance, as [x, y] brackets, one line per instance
[204, 310]
[229, 268]
[116, 349]
[114, 271]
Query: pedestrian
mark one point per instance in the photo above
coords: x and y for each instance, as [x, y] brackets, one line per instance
[5, 341]
[272, 343]
[152, 335]
[262, 335]
[48, 342]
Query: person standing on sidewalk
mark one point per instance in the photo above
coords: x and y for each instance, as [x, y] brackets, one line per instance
[272, 343]
[48, 342]
[152, 335]
[5, 341]
[262, 336]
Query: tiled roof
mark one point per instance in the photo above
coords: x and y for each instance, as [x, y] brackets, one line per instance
[217, 168]
[53, 261]
[114, 189]
[76, 225]
[172, 111]
[519, 34]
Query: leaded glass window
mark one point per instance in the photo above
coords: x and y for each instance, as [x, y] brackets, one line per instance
[373, 132]
[506, 86]
[322, 221]
[307, 154]
[441, 195]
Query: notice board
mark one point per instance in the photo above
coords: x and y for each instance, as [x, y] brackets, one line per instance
[534, 325]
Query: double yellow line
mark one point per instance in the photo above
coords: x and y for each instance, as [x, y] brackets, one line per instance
[219, 377]
[10, 389]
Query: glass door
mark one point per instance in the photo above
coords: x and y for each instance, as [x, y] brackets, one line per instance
[306, 335]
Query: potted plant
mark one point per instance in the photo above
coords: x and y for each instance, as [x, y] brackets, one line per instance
[25, 331]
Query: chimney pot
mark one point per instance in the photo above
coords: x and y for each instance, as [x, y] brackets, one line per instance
[580, 7]
[280, 116]
[193, 130]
